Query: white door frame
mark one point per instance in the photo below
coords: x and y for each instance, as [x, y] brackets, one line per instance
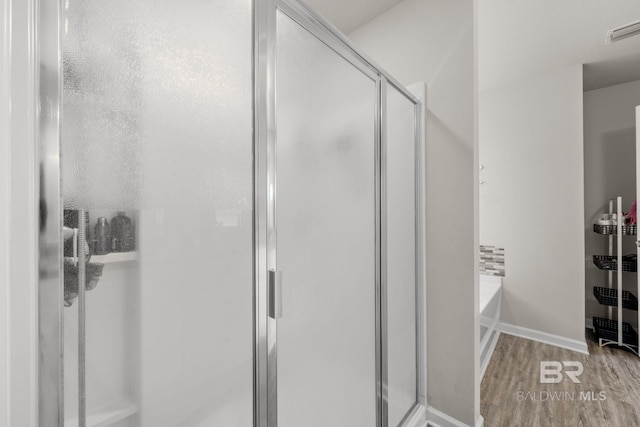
[18, 218]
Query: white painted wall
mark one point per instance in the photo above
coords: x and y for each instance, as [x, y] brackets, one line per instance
[609, 171]
[5, 176]
[408, 42]
[531, 202]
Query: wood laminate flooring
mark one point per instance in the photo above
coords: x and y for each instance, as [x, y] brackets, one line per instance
[608, 394]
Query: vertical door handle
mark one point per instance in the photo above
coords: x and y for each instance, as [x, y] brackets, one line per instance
[275, 294]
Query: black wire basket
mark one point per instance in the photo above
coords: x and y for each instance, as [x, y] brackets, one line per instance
[609, 296]
[628, 230]
[610, 262]
[608, 329]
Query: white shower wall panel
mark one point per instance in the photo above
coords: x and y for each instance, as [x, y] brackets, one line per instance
[111, 322]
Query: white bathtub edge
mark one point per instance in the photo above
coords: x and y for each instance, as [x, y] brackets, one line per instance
[492, 346]
[496, 280]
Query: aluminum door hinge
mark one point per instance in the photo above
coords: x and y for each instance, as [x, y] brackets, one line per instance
[275, 294]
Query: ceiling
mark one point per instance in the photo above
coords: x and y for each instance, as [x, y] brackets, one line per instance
[520, 38]
[347, 15]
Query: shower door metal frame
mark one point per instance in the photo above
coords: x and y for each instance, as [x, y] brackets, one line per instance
[266, 393]
[264, 198]
[48, 98]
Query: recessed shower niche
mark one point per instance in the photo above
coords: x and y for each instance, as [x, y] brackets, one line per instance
[241, 235]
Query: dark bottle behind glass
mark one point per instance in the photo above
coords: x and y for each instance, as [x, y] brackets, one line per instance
[102, 237]
[121, 233]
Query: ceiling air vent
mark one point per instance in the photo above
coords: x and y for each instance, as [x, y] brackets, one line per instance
[622, 32]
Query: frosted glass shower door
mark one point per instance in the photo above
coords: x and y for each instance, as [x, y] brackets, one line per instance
[326, 228]
[157, 123]
[401, 255]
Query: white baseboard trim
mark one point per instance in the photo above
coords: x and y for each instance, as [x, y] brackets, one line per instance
[418, 418]
[546, 338]
[437, 418]
[588, 323]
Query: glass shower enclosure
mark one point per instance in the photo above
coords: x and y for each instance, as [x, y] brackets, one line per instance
[236, 227]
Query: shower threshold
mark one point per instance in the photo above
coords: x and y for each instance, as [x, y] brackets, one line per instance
[107, 415]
